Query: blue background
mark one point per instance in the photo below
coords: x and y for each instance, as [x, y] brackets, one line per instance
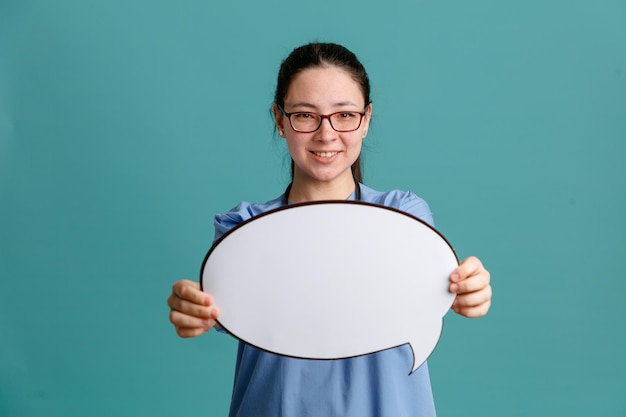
[126, 125]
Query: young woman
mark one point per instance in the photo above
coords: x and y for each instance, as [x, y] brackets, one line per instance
[322, 109]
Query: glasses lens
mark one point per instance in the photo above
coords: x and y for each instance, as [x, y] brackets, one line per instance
[305, 122]
[345, 121]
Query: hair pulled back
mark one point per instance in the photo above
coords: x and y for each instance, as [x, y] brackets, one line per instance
[315, 55]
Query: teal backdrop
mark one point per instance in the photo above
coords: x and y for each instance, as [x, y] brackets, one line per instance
[126, 125]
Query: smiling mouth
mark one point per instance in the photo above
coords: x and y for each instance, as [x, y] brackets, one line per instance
[325, 154]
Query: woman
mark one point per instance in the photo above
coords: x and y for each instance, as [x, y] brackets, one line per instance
[322, 109]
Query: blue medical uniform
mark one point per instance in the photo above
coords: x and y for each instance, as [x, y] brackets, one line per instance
[374, 385]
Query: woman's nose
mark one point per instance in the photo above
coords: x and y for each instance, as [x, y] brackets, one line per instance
[326, 131]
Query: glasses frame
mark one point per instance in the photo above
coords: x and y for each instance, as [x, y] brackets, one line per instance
[322, 117]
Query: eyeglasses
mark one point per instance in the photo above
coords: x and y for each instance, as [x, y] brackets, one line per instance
[307, 122]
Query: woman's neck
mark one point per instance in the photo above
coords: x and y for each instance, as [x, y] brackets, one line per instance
[339, 189]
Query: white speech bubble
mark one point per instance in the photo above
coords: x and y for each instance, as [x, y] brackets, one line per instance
[332, 280]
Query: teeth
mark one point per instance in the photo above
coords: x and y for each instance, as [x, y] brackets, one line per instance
[325, 154]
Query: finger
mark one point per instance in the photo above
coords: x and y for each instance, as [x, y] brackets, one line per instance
[192, 309]
[472, 312]
[473, 283]
[190, 291]
[466, 268]
[181, 320]
[473, 299]
[187, 332]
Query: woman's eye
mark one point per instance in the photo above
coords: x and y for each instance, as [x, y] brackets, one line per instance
[304, 116]
[347, 115]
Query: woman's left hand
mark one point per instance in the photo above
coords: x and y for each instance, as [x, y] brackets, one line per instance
[470, 283]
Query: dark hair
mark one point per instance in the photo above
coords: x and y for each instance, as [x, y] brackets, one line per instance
[314, 55]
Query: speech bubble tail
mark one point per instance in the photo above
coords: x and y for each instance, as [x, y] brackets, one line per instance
[423, 346]
[419, 357]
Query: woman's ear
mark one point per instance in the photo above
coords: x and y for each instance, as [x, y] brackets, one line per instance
[278, 118]
[367, 118]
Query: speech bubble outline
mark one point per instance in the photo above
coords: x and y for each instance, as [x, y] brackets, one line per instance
[320, 254]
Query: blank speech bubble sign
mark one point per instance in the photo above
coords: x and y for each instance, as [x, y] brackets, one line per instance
[332, 280]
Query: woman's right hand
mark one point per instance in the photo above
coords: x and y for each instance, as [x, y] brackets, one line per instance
[191, 310]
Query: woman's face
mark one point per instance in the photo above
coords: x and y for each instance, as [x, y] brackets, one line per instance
[324, 155]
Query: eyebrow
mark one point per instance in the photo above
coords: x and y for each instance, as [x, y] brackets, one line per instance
[313, 107]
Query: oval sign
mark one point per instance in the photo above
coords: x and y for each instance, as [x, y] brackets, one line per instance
[331, 280]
